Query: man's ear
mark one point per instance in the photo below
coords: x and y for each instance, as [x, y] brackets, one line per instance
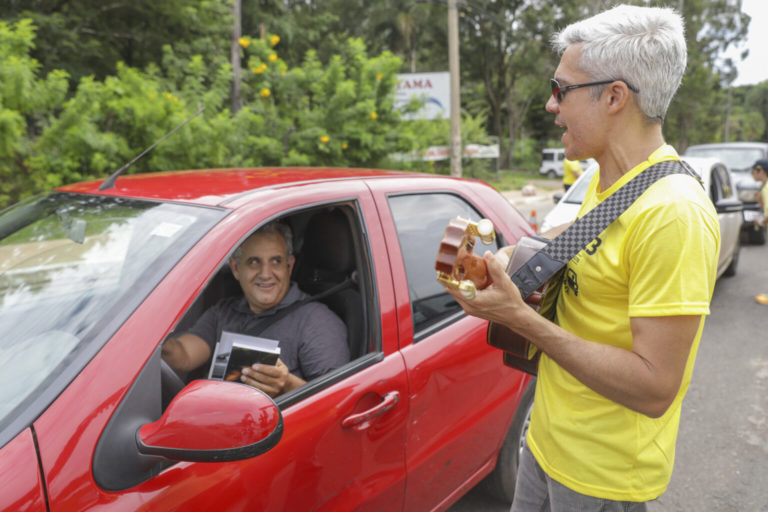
[233, 267]
[618, 96]
[291, 261]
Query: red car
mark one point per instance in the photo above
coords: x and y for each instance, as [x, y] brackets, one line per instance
[93, 281]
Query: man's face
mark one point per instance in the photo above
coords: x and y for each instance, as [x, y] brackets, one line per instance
[264, 270]
[577, 113]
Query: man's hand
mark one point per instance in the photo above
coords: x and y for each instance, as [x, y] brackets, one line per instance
[501, 301]
[274, 379]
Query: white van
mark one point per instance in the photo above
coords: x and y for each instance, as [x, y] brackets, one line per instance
[552, 162]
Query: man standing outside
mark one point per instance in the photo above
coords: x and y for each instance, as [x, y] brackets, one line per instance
[312, 339]
[618, 359]
[571, 171]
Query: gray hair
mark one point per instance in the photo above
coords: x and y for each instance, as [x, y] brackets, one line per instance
[644, 46]
[275, 226]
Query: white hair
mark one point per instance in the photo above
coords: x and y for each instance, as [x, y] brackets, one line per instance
[275, 226]
[643, 46]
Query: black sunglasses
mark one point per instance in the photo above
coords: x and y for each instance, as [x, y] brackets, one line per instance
[559, 91]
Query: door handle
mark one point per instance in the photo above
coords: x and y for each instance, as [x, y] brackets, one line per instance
[362, 421]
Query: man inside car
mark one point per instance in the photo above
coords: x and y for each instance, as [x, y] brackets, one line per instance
[312, 339]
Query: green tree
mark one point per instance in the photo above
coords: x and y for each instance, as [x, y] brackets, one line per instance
[697, 113]
[339, 112]
[89, 37]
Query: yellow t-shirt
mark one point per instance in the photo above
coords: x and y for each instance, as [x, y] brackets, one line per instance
[764, 195]
[571, 171]
[658, 258]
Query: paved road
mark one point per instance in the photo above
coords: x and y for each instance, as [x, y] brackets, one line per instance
[722, 449]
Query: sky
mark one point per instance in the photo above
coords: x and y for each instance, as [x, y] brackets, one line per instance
[754, 69]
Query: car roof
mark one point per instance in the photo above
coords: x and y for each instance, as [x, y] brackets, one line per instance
[211, 187]
[730, 145]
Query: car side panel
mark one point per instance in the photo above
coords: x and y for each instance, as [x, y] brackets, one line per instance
[317, 465]
[21, 487]
[462, 398]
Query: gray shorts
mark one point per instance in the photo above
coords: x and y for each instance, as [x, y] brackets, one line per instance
[537, 492]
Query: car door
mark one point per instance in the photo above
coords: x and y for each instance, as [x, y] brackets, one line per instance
[341, 446]
[462, 399]
[22, 485]
[729, 213]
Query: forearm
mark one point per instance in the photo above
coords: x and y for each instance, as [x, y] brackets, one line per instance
[621, 375]
[185, 353]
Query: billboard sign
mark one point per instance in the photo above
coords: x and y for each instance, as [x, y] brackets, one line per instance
[432, 89]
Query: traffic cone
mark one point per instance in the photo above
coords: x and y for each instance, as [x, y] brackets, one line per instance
[533, 222]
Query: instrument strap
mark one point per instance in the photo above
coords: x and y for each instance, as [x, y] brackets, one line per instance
[558, 252]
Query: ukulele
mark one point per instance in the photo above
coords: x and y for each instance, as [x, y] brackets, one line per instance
[460, 269]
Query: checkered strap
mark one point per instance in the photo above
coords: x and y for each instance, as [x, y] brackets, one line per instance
[558, 252]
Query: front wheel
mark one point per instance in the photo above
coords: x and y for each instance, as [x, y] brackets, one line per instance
[501, 482]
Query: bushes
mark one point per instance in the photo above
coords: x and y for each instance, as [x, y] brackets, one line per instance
[335, 113]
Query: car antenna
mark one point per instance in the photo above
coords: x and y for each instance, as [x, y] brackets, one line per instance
[110, 182]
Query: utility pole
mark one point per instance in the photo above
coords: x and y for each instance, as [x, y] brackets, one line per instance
[453, 68]
[235, 54]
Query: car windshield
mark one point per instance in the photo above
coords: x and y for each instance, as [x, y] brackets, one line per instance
[67, 264]
[737, 159]
[579, 189]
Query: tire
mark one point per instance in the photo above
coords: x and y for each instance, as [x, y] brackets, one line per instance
[500, 483]
[730, 271]
[551, 174]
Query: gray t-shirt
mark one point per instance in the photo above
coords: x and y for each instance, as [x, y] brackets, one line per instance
[312, 339]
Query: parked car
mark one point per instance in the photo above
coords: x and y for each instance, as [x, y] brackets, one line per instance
[552, 162]
[719, 184]
[739, 157]
[93, 281]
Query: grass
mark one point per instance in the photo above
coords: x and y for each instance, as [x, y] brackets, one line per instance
[515, 180]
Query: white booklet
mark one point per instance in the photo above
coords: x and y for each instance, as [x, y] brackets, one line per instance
[235, 351]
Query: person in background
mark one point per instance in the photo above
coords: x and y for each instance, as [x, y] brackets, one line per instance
[571, 171]
[760, 174]
[617, 361]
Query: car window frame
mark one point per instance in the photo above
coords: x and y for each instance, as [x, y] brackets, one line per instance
[428, 330]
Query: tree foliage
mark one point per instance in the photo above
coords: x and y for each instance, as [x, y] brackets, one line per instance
[85, 86]
[338, 112]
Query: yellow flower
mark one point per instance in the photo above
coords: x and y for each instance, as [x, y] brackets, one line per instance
[344, 146]
[324, 139]
[175, 99]
[379, 76]
[168, 95]
[264, 93]
[272, 57]
[274, 39]
[259, 69]
[245, 42]
[374, 115]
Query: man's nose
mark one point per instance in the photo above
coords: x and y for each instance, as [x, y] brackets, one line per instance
[552, 105]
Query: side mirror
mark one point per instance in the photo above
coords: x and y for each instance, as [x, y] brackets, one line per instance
[213, 421]
[557, 196]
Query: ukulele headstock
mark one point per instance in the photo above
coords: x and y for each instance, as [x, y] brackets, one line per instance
[457, 266]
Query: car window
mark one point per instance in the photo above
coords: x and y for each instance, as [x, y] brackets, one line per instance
[420, 220]
[737, 159]
[721, 183]
[578, 190]
[329, 263]
[70, 265]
